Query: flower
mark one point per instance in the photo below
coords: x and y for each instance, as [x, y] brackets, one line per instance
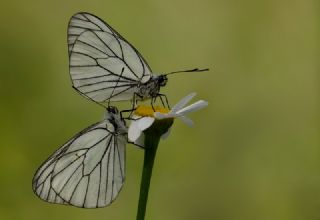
[145, 116]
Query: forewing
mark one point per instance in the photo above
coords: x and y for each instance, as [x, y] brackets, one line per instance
[88, 171]
[103, 65]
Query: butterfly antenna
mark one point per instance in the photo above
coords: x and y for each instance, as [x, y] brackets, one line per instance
[187, 71]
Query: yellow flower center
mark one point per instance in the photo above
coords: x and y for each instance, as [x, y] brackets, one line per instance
[148, 111]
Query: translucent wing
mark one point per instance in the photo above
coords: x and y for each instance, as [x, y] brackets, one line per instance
[88, 171]
[103, 65]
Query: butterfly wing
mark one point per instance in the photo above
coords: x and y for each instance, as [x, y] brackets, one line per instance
[103, 65]
[88, 171]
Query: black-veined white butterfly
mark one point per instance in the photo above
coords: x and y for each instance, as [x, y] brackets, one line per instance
[89, 170]
[105, 67]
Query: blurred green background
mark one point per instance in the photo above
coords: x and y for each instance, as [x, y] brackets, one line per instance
[254, 151]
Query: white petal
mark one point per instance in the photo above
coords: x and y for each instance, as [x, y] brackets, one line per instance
[145, 123]
[134, 130]
[193, 107]
[140, 140]
[186, 120]
[159, 115]
[182, 102]
[136, 116]
[165, 135]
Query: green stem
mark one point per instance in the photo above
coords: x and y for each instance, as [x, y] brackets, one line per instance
[151, 142]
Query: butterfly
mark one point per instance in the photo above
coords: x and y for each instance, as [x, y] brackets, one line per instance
[89, 170]
[105, 67]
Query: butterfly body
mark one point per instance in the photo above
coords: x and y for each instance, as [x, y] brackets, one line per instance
[151, 88]
[114, 117]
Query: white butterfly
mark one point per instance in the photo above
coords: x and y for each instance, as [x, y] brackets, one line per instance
[105, 67]
[89, 170]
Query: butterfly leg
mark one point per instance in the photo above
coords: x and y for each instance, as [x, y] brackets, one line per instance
[135, 100]
[162, 101]
[130, 142]
[153, 100]
[125, 111]
[165, 98]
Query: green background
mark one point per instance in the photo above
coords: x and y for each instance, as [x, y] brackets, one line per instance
[254, 151]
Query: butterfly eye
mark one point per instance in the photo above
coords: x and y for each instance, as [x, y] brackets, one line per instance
[162, 80]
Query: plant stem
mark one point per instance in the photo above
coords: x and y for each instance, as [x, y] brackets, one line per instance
[151, 142]
[151, 145]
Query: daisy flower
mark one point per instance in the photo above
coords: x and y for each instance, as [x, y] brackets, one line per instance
[145, 116]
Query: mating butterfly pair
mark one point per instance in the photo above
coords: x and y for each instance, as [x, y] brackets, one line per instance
[89, 170]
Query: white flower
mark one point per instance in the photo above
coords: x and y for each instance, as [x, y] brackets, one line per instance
[144, 117]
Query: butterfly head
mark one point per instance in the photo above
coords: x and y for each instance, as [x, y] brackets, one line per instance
[112, 110]
[162, 80]
[112, 113]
